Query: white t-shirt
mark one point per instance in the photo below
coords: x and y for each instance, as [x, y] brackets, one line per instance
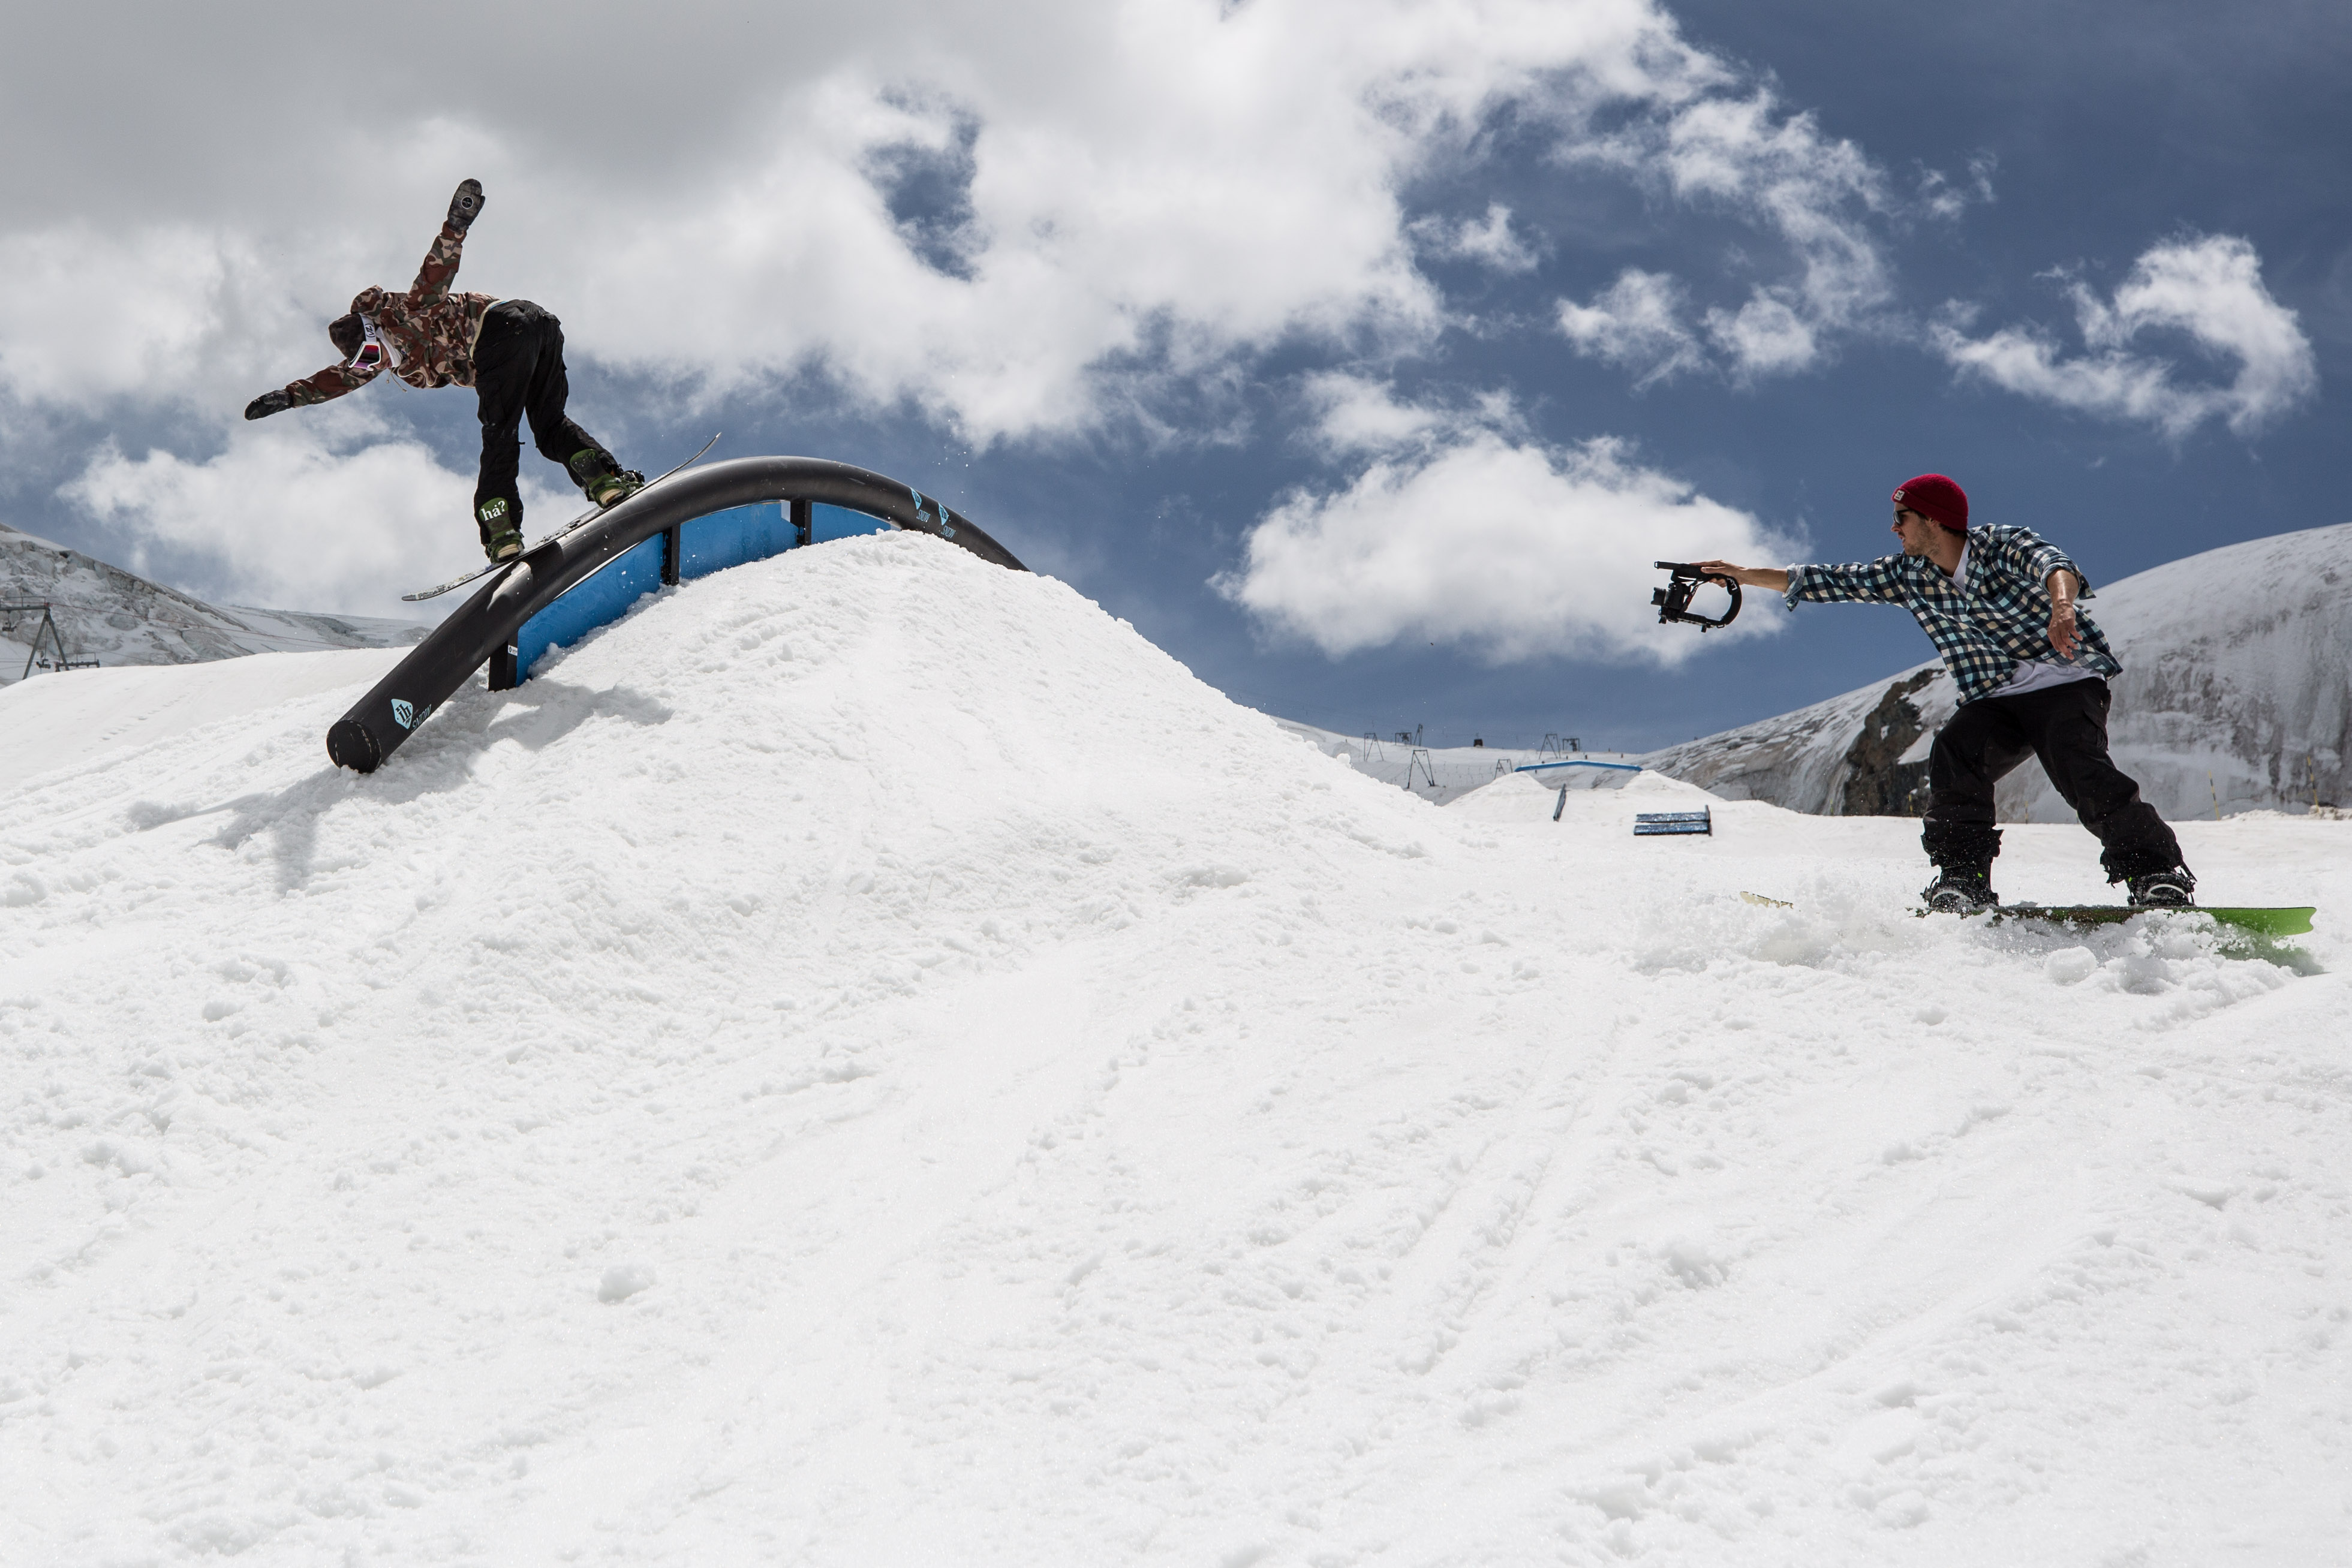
[2031, 674]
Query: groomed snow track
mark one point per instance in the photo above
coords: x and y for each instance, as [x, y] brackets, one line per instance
[484, 629]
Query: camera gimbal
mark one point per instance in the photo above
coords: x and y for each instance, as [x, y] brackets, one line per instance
[1674, 599]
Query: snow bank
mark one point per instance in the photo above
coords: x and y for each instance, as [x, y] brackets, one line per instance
[868, 1062]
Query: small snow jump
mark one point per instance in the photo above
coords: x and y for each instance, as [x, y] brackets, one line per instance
[511, 351]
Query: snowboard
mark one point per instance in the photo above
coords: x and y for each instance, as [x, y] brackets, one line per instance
[485, 570]
[2289, 920]
[2282, 921]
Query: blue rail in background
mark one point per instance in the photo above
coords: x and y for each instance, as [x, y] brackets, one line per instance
[1581, 762]
[709, 543]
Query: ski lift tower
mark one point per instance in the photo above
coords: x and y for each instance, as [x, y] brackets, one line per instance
[47, 629]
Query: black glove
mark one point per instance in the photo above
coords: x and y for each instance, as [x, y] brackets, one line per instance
[466, 205]
[266, 404]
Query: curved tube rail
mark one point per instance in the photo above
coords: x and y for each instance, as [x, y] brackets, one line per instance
[487, 624]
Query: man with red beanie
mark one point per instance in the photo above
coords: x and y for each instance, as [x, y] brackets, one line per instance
[1999, 603]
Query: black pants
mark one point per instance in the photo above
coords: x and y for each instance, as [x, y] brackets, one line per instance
[518, 371]
[2067, 727]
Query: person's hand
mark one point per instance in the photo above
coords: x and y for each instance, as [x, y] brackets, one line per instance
[2063, 633]
[466, 205]
[2062, 586]
[267, 403]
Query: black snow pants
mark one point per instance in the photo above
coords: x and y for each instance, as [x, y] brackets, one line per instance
[2067, 727]
[518, 371]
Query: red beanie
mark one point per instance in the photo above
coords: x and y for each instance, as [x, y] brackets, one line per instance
[1936, 498]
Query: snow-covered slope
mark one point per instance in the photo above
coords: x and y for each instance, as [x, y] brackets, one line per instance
[105, 613]
[2236, 695]
[867, 1062]
[71, 721]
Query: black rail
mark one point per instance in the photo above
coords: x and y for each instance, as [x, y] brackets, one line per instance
[486, 625]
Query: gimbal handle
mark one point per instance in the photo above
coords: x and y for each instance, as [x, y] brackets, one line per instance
[1674, 599]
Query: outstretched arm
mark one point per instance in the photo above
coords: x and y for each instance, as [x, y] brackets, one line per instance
[1771, 577]
[332, 383]
[441, 261]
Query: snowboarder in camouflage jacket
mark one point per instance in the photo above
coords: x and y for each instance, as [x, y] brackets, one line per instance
[510, 351]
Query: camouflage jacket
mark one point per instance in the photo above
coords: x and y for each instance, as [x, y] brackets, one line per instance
[430, 331]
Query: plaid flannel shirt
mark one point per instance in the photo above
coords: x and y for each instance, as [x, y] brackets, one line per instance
[1983, 631]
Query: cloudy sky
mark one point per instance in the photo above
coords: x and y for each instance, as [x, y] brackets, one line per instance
[1364, 354]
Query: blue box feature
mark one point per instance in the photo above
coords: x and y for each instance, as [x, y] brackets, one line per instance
[1647, 823]
[706, 544]
[841, 523]
[601, 598]
[720, 539]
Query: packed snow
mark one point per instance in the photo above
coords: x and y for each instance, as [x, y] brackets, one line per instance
[2236, 695]
[58, 721]
[866, 1060]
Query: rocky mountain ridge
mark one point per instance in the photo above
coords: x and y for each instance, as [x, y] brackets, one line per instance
[104, 613]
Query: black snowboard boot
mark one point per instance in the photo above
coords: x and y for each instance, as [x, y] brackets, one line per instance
[1961, 890]
[601, 479]
[2174, 889]
[501, 529]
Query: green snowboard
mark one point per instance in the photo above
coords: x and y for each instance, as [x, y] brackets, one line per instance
[2285, 921]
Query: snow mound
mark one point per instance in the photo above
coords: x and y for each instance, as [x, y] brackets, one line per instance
[2236, 695]
[866, 1060]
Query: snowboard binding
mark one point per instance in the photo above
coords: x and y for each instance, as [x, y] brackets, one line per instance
[1674, 599]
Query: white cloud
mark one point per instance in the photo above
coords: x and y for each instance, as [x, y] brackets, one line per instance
[1470, 534]
[1943, 197]
[298, 516]
[152, 316]
[1637, 323]
[1820, 197]
[1353, 414]
[1770, 335]
[1490, 242]
[2208, 289]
